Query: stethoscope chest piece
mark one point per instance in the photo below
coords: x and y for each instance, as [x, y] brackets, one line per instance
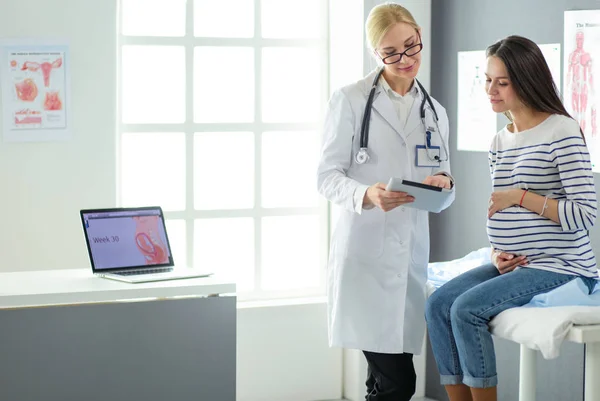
[362, 156]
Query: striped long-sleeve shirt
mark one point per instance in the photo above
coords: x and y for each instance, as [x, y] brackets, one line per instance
[550, 159]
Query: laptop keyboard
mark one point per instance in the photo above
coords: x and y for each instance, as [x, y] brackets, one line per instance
[145, 271]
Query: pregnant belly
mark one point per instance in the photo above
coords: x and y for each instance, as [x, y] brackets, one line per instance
[522, 232]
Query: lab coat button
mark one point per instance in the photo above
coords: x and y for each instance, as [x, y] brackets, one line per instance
[402, 209]
[401, 242]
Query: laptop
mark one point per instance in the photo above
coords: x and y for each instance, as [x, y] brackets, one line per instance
[131, 245]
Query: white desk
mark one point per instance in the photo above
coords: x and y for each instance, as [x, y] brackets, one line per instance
[79, 286]
[68, 335]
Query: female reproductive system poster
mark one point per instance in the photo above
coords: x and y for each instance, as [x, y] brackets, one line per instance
[35, 92]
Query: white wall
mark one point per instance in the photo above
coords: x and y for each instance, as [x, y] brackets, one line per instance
[283, 354]
[282, 351]
[45, 184]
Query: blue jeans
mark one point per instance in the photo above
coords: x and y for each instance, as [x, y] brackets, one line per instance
[459, 311]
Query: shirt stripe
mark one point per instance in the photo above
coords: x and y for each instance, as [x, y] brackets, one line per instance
[550, 160]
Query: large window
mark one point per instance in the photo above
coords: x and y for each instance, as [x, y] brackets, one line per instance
[220, 109]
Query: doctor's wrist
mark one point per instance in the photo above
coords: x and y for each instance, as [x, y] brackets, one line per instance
[367, 202]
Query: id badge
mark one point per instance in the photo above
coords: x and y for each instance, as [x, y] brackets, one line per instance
[423, 160]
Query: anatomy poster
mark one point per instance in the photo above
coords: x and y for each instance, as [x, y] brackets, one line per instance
[35, 92]
[552, 55]
[476, 124]
[581, 66]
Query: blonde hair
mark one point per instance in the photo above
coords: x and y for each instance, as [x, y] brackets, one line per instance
[382, 18]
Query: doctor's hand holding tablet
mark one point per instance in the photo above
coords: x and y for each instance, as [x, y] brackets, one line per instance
[378, 196]
[403, 192]
[440, 181]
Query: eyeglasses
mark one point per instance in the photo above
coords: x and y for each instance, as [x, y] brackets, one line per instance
[396, 57]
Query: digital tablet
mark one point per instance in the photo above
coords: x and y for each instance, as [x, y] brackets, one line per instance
[427, 197]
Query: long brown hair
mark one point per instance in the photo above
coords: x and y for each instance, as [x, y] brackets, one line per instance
[529, 74]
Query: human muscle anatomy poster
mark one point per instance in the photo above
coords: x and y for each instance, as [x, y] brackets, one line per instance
[35, 92]
[476, 124]
[581, 71]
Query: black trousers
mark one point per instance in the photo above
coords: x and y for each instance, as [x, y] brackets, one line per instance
[391, 377]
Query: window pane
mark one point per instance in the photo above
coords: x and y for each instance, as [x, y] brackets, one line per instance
[153, 18]
[153, 170]
[223, 84]
[226, 247]
[346, 47]
[290, 252]
[292, 19]
[295, 185]
[304, 65]
[223, 170]
[178, 242]
[153, 82]
[224, 19]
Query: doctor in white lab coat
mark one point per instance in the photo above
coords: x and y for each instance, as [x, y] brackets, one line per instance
[380, 248]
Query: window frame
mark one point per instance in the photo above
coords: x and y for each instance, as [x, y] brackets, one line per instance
[257, 127]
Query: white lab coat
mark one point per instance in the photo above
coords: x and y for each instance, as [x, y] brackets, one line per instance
[378, 261]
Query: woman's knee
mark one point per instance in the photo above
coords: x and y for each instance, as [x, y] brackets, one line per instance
[464, 308]
[438, 304]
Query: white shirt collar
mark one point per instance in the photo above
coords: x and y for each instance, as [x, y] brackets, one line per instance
[412, 92]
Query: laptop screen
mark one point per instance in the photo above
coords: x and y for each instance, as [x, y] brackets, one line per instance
[126, 238]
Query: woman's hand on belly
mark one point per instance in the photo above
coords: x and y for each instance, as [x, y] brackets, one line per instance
[500, 200]
[376, 195]
[507, 262]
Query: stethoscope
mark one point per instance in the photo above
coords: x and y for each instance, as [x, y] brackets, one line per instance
[362, 156]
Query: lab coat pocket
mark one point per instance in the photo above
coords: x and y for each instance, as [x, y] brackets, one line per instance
[366, 234]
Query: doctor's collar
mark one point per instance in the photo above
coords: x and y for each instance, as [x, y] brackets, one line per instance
[413, 91]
